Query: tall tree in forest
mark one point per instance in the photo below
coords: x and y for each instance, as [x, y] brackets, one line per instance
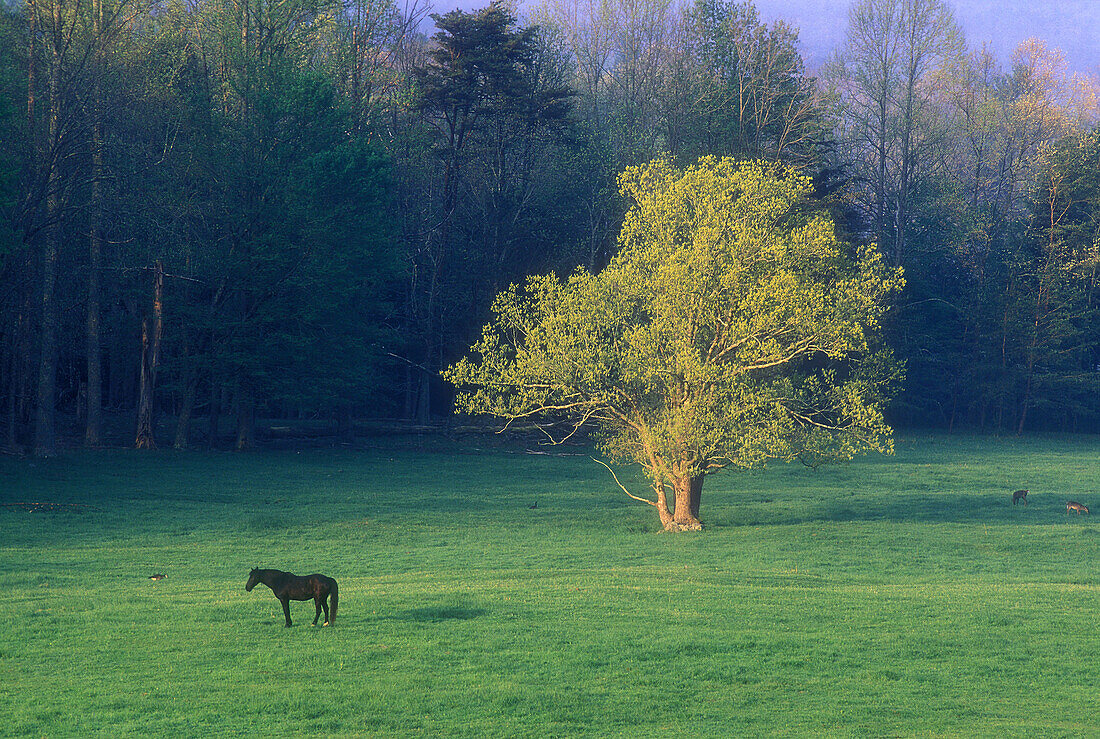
[969, 266]
[886, 120]
[151, 143]
[152, 330]
[363, 51]
[109, 19]
[620, 51]
[732, 327]
[642, 40]
[738, 87]
[474, 72]
[12, 132]
[1061, 306]
[585, 30]
[57, 37]
[513, 180]
[68, 46]
[298, 201]
[588, 29]
[260, 125]
[14, 157]
[94, 394]
[489, 89]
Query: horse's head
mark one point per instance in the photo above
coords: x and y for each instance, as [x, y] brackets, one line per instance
[253, 578]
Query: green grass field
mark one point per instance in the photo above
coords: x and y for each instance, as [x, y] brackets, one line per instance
[893, 596]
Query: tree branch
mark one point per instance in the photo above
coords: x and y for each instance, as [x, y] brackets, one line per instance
[630, 494]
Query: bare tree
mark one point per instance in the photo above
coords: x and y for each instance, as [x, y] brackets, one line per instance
[589, 30]
[885, 105]
[736, 86]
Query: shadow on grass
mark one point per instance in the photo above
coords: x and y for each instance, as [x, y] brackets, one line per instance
[938, 508]
[437, 614]
[263, 522]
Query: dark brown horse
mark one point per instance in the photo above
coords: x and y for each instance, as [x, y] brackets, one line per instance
[288, 587]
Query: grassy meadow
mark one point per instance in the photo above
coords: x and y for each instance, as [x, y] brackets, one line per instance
[893, 596]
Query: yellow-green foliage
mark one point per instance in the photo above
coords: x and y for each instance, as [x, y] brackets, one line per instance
[732, 327]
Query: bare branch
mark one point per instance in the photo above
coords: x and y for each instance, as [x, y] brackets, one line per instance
[629, 494]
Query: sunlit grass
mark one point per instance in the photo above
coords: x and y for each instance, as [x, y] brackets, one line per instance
[900, 595]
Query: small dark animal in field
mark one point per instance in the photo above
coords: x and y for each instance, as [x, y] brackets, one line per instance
[157, 576]
[288, 587]
[1078, 508]
[1018, 496]
[534, 505]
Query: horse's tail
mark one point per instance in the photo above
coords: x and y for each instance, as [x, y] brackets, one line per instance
[334, 600]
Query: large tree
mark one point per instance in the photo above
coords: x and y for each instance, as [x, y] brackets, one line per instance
[495, 103]
[731, 328]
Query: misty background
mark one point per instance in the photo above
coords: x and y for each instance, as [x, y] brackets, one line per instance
[1069, 25]
[239, 222]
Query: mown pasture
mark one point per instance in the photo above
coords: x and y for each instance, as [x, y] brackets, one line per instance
[896, 595]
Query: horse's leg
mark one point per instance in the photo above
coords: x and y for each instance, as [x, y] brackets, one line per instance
[317, 603]
[324, 604]
[286, 609]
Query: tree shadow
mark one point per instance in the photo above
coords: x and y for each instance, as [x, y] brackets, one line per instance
[438, 614]
[988, 509]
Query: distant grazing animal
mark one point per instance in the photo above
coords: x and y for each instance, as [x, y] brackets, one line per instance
[288, 587]
[157, 576]
[1018, 496]
[1072, 505]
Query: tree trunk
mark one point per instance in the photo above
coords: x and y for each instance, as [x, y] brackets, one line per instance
[246, 419]
[696, 495]
[45, 432]
[151, 329]
[662, 506]
[215, 412]
[689, 491]
[93, 424]
[93, 429]
[17, 367]
[14, 370]
[424, 401]
[183, 421]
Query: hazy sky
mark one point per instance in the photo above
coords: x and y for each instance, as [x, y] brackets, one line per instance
[1070, 25]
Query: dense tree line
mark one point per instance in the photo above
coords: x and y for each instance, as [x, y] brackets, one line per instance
[974, 179]
[221, 210]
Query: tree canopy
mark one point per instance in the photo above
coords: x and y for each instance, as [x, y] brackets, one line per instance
[303, 210]
[732, 327]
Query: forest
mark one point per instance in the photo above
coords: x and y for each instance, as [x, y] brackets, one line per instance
[214, 213]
